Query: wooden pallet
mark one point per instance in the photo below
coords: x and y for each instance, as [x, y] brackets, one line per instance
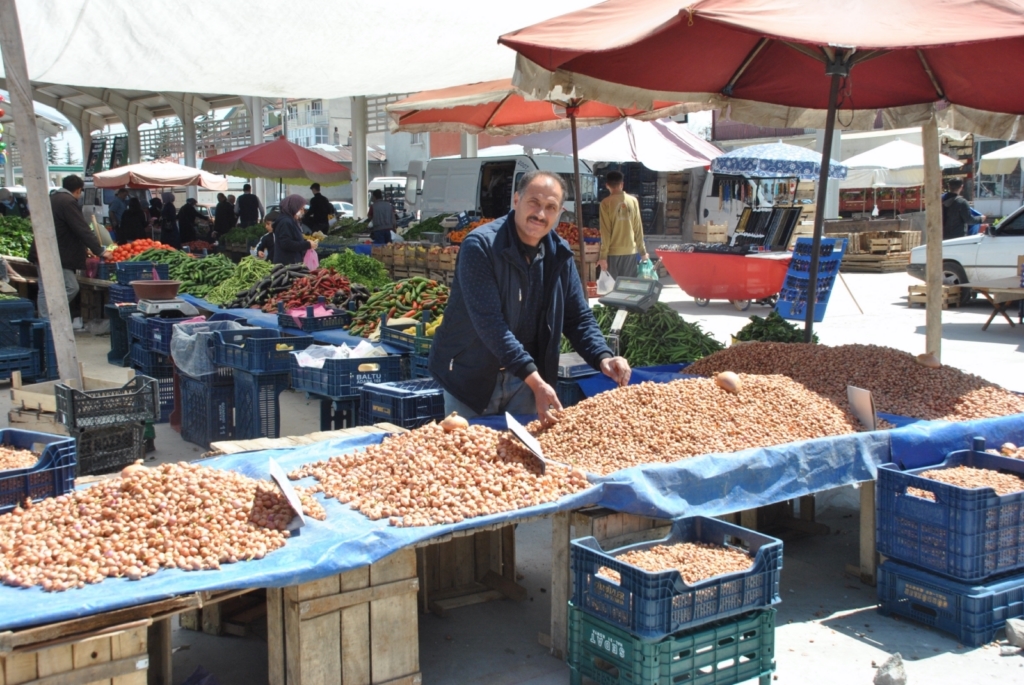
[884, 245]
[117, 657]
[918, 294]
[875, 263]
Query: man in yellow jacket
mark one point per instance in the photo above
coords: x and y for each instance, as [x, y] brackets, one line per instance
[622, 231]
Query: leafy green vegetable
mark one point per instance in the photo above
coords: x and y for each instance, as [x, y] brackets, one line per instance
[773, 328]
[431, 225]
[241, 236]
[345, 228]
[358, 268]
[15, 236]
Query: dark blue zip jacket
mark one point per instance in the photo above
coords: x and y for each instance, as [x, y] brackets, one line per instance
[476, 339]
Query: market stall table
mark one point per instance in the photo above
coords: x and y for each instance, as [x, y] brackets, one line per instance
[94, 293]
[999, 292]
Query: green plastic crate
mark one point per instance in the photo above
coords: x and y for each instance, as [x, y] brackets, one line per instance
[723, 653]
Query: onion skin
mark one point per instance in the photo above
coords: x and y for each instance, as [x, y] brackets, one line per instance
[729, 381]
[454, 422]
[928, 360]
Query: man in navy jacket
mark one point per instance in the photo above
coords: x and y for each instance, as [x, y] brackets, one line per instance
[516, 292]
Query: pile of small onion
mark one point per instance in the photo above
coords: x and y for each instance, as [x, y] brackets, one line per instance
[14, 458]
[180, 515]
[441, 473]
[695, 561]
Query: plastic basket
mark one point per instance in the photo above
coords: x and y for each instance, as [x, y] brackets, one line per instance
[420, 366]
[727, 652]
[140, 271]
[136, 400]
[107, 271]
[417, 343]
[37, 335]
[119, 294]
[110, 448]
[965, 534]
[12, 311]
[569, 392]
[343, 378]
[336, 414]
[148, 361]
[310, 323]
[256, 350]
[973, 613]
[207, 410]
[163, 374]
[408, 404]
[119, 349]
[257, 406]
[653, 605]
[21, 359]
[52, 476]
[160, 331]
[138, 330]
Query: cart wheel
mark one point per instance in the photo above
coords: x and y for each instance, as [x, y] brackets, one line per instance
[741, 305]
[701, 301]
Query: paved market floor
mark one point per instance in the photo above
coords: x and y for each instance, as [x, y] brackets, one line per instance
[828, 628]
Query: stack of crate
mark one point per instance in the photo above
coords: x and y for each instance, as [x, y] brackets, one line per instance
[677, 187]
[14, 356]
[628, 625]
[954, 555]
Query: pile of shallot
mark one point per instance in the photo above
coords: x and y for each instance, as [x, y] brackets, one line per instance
[14, 458]
[695, 561]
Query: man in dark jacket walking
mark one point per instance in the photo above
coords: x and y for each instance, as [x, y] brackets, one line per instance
[516, 291]
[188, 215]
[320, 211]
[250, 209]
[75, 239]
[956, 212]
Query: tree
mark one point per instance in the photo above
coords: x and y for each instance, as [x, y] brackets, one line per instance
[69, 156]
[51, 152]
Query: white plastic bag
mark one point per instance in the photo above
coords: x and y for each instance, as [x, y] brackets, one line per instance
[605, 283]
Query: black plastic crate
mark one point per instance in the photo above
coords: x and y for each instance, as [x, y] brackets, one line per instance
[148, 362]
[160, 331]
[20, 359]
[207, 410]
[343, 378]
[119, 349]
[12, 311]
[37, 335]
[140, 271]
[420, 366]
[257, 404]
[417, 343]
[136, 400]
[120, 294]
[52, 476]
[257, 350]
[408, 404]
[336, 414]
[138, 330]
[163, 374]
[110, 448]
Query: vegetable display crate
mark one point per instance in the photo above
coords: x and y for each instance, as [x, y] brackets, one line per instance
[420, 365]
[408, 404]
[119, 349]
[966, 534]
[257, 404]
[148, 361]
[136, 400]
[107, 270]
[160, 330]
[343, 378]
[796, 288]
[163, 374]
[257, 350]
[119, 294]
[724, 653]
[140, 271]
[12, 311]
[21, 359]
[52, 476]
[336, 414]
[138, 329]
[36, 334]
[973, 613]
[417, 343]
[207, 410]
[653, 605]
[310, 323]
[110, 448]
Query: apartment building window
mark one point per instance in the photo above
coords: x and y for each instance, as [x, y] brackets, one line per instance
[316, 107]
[416, 138]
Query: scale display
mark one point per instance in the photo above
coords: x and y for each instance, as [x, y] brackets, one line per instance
[633, 294]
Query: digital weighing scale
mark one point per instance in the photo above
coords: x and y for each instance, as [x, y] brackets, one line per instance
[629, 295]
[173, 308]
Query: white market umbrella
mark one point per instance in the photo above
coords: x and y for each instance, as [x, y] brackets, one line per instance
[158, 174]
[1002, 161]
[897, 164]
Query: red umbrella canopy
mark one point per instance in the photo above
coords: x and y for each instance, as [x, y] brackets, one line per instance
[279, 159]
[902, 54]
[499, 108]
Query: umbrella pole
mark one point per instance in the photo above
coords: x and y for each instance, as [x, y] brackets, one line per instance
[819, 215]
[933, 238]
[579, 197]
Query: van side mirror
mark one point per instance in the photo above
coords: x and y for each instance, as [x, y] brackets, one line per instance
[412, 189]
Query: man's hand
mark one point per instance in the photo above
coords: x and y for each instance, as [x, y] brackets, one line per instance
[546, 398]
[603, 263]
[616, 368]
[644, 257]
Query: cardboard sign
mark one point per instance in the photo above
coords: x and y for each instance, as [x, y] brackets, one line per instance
[862, 405]
[281, 478]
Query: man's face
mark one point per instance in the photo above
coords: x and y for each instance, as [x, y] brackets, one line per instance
[537, 209]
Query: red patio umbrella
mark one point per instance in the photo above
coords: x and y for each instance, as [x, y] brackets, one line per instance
[280, 159]
[792, 62]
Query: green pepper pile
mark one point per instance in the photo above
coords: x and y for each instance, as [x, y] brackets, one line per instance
[358, 268]
[249, 272]
[407, 298]
[198, 276]
[772, 328]
[15, 236]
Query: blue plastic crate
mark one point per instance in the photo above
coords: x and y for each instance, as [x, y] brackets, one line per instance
[408, 404]
[420, 366]
[724, 653]
[107, 271]
[417, 343]
[336, 414]
[136, 400]
[21, 359]
[653, 605]
[12, 311]
[207, 410]
[138, 330]
[310, 323]
[140, 271]
[36, 334]
[108, 449]
[973, 613]
[119, 349]
[52, 476]
[148, 361]
[257, 404]
[793, 297]
[122, 293]
[569, 392]
[257, 350]
[343, 378]
[968, 535]
[161, 330]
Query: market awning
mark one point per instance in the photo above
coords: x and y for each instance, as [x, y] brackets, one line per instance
[1002, 161]
[897, 164]
[159, 174]
[279, 159]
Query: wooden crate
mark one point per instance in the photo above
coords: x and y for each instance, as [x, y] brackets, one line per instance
[710, 233]
[234, 616]
[117, 657]
[434, 261]
[356, 628]
[918, 294]
[468, 569]
[891, 263]
[33, 420]
[591, 251]
[800, 231]
[885, 245]
[447, 261]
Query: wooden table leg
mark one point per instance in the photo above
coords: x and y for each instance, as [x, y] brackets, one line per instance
[868, 568]
[560, 584]
[159, 638]
[997, 309]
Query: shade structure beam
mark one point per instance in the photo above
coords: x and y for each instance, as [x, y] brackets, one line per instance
[743, 67]
[939, 91]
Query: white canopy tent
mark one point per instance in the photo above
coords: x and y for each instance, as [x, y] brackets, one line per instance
[897, 164]
[1003, 160]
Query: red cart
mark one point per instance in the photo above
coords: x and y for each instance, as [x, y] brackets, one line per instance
[739, 278]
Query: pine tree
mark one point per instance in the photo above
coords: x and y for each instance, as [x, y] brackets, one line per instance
[51, 152]
[69, 156]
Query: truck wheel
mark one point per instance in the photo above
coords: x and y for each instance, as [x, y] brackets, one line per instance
[954, 274]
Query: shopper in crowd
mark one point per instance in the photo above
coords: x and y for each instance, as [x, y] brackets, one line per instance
[133, 223]
[265, 246]
[516, 292]
[117, 208]
[156, 208]
[169, 222]
[249, 208]
[318, 216]
[8, 205]
[383, 215]
[289, 244]
[956, 212]
[224, 218]
[188, 216]
[622, 231]
[75, 238]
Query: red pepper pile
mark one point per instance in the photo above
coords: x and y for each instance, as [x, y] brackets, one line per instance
[197, 246]
[325, 283]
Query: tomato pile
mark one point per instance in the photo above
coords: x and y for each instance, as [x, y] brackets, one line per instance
[571, 234]
[124, 252]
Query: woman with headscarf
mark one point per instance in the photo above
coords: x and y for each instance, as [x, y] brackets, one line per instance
[188, 215]
[224, 218]
[169, 220]
[155, 208]
[133, 223]
[289, 244]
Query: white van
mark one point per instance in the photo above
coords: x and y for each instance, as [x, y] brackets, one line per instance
[485, 185]
[96, 201]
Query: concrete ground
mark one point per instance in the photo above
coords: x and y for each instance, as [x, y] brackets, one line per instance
[828, 629]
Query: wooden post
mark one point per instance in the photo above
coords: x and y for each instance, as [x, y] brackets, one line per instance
[560, 584]
[933, 233]
[34, 171]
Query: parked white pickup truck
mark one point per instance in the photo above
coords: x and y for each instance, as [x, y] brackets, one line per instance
[975, 258]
